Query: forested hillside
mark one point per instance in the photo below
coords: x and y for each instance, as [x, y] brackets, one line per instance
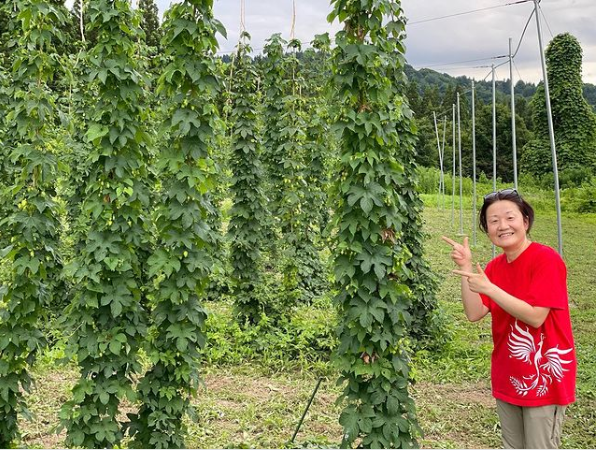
[573, 104]
[428, 78]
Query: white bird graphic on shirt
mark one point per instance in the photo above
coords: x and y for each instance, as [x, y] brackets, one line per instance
[546, 365]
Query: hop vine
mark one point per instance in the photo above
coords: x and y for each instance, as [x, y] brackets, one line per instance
[180, 265]
[107, 312]
[32, 218]
[249, 213]
[274, 72]
[370, 263]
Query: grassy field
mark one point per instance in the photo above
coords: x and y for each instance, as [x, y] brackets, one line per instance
[258, 405]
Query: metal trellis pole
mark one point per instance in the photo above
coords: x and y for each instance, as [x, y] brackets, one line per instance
[461, 193]
[513, 133]
[551, 131]
[473, 164]
[494, 139]
[440, 160]
[453, 175]
[443, 161]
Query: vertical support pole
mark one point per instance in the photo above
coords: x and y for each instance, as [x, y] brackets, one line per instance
[440, 160]
[551, 130]
[453, 174]
[513, 133]
[461, 193]
[473, 164]
[494, 138]
[443, 160]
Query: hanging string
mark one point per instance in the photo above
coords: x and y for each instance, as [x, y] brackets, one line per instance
[241, 38]
[81, 22]
[293, 29]
[242, 17]
[292, 38]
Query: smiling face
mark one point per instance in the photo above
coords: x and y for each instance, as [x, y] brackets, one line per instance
[506, 225]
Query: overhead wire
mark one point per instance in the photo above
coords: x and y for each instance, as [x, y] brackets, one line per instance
[523, 34]
[482, 59]
[493, 57]
[468, 61]
[467, 12]
[517, 70]
[545, 21]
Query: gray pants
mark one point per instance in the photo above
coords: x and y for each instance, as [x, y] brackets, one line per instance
[530, 427]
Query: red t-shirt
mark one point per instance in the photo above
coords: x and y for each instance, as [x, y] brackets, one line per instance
[532, 366]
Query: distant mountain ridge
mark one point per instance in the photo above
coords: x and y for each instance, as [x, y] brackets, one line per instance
[429, 78]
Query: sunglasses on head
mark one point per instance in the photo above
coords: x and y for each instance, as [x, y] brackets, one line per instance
[502, 192]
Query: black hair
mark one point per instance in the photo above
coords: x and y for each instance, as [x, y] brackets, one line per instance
[507, 194]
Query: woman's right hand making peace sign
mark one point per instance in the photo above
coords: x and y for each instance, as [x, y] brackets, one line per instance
[461, 254]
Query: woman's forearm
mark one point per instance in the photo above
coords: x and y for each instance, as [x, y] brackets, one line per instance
[531, 315]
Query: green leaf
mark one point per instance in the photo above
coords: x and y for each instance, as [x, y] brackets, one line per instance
[104, 398]
[115, 347]
[96, 132]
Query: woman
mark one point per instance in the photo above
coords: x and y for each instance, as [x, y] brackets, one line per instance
[533, 364]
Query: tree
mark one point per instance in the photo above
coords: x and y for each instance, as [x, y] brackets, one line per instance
[430, 101]
[484, 142]
[413, 96]
[150, 22]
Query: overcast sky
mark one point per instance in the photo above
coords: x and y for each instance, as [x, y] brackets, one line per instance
[439, 43]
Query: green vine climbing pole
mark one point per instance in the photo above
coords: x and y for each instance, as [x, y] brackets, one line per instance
[426, 329]
[32, 220]
[370, 264]
[273, 74]
[180, 266]
[317, 149]
[249, 214]
[291, 208]
[106, 314]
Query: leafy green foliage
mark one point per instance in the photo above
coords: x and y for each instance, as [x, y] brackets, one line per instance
[427, 328]
[5, 24]
[301, 265]
[317, 149]
[574, 121]
[302, 340]
[32, 218]
[371, 215]
[249, 213]
[274, 73]
[107, 271]
[180, 265]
